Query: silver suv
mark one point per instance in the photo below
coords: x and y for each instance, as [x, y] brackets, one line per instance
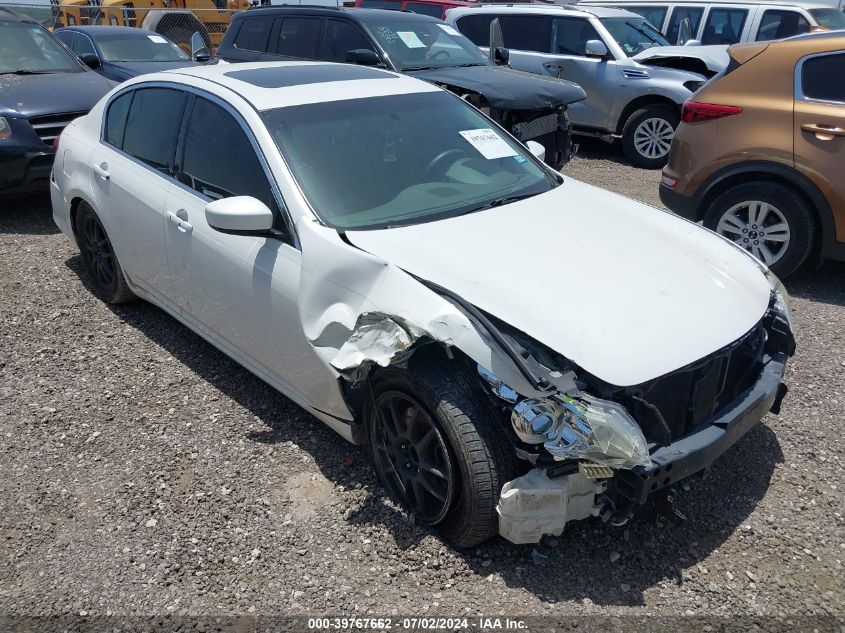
[635, 82]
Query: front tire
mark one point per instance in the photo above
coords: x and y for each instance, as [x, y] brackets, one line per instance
[98, 256]
[647, 135]
[770, 220]
[429, 418]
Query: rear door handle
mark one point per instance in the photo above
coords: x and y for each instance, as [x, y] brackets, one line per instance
[823, 132]
[180, 223]
[101, 170]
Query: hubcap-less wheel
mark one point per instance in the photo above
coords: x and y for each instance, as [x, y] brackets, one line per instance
[97, 249]
[653, 137]
[758, 227]
[411, 456]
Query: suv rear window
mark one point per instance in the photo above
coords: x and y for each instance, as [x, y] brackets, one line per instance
[254, 34]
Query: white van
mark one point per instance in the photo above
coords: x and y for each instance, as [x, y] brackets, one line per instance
[731, 22]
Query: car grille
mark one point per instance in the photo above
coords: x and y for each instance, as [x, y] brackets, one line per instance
[688, 398]
[532, 129]
[49, 127]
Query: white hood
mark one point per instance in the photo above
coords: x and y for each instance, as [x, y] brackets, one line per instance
[715, 57]
[624, 290]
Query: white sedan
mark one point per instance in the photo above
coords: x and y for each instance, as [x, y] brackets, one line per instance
[516, 349]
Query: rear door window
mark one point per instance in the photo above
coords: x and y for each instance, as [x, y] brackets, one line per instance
[298, 37]
[823, 78]
[654, 15]
[779, 23]
[254, 34]
[724, 26]
[152, 126]
[679, 14]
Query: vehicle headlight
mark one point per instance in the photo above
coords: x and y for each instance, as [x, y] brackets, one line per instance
[5, 128]
[782, 299]
[582, 427]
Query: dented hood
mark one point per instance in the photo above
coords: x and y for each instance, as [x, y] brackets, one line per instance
[505, 88]
[624, 290]
[714, 57]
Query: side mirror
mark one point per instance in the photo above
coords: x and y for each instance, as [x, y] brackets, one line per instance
[239, 215]
[596, 48]
[693, 43]
[91, 60]
[537, 150]
[199, 51]
[501, 55]
[363, 56]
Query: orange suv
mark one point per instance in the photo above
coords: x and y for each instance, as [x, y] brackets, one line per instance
[759, 155]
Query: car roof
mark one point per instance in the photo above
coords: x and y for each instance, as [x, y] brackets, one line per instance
[270, 85]
[357, 13]
[547, 9]
[97, 30]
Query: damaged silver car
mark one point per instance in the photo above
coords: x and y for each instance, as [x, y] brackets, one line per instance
[515, 349]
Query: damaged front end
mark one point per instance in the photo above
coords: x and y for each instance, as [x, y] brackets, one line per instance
[608, 456]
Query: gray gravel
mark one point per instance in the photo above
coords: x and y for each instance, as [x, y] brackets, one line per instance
[144, 473]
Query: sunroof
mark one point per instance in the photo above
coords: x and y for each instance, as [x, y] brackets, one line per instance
[286, 76]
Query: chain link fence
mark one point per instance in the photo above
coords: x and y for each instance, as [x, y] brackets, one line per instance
[177, 21]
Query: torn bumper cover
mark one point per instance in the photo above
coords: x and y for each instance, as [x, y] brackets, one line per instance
[529, 504]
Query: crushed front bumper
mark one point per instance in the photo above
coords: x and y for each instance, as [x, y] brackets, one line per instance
[697, 451]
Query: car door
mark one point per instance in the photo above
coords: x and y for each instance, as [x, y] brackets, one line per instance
[819, 128]
[599, 77]
[130, 171]
[240, 290]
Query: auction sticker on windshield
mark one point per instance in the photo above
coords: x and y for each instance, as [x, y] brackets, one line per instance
[411, 39]
[158, 39]
[448, 29]
[488, 143]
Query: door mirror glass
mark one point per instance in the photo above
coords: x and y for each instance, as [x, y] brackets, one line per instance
[501, 55]
[363, 56]
[91, 60]
[537, 149]
[595, 48]
[199, 51]
[239, 214]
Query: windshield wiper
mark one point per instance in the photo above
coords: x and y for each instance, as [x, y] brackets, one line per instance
[407, 68]
[23, 71]
[497, 202]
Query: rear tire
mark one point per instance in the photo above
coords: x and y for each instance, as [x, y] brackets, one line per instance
[100, 260]
[479, 456]
[772, 205]
[647, 135]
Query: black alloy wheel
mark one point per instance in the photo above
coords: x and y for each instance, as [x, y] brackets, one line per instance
[97, 251]
[411, 456]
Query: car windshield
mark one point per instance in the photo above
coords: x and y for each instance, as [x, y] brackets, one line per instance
[832, 19]
[402, 159]
[414, 45]
[634, 35]
[140, 48]
[29, 49]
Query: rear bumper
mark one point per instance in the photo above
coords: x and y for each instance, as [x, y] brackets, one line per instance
[688, 207]
[697, 451]
[25, 170]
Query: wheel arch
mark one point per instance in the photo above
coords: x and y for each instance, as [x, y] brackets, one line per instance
[769, 171]
[641, 102]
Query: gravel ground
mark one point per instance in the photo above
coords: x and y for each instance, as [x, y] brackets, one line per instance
[144, 473]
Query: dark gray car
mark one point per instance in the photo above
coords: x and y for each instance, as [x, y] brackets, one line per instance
[529, 106]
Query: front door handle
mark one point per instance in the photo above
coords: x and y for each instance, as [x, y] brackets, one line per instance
[102, 170]
[181, 222]
[823, 132]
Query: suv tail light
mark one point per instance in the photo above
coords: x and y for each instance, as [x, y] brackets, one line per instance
[694, 112]
[56, 144]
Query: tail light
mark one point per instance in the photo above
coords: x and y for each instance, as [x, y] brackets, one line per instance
[694, 112]
[56, 144]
